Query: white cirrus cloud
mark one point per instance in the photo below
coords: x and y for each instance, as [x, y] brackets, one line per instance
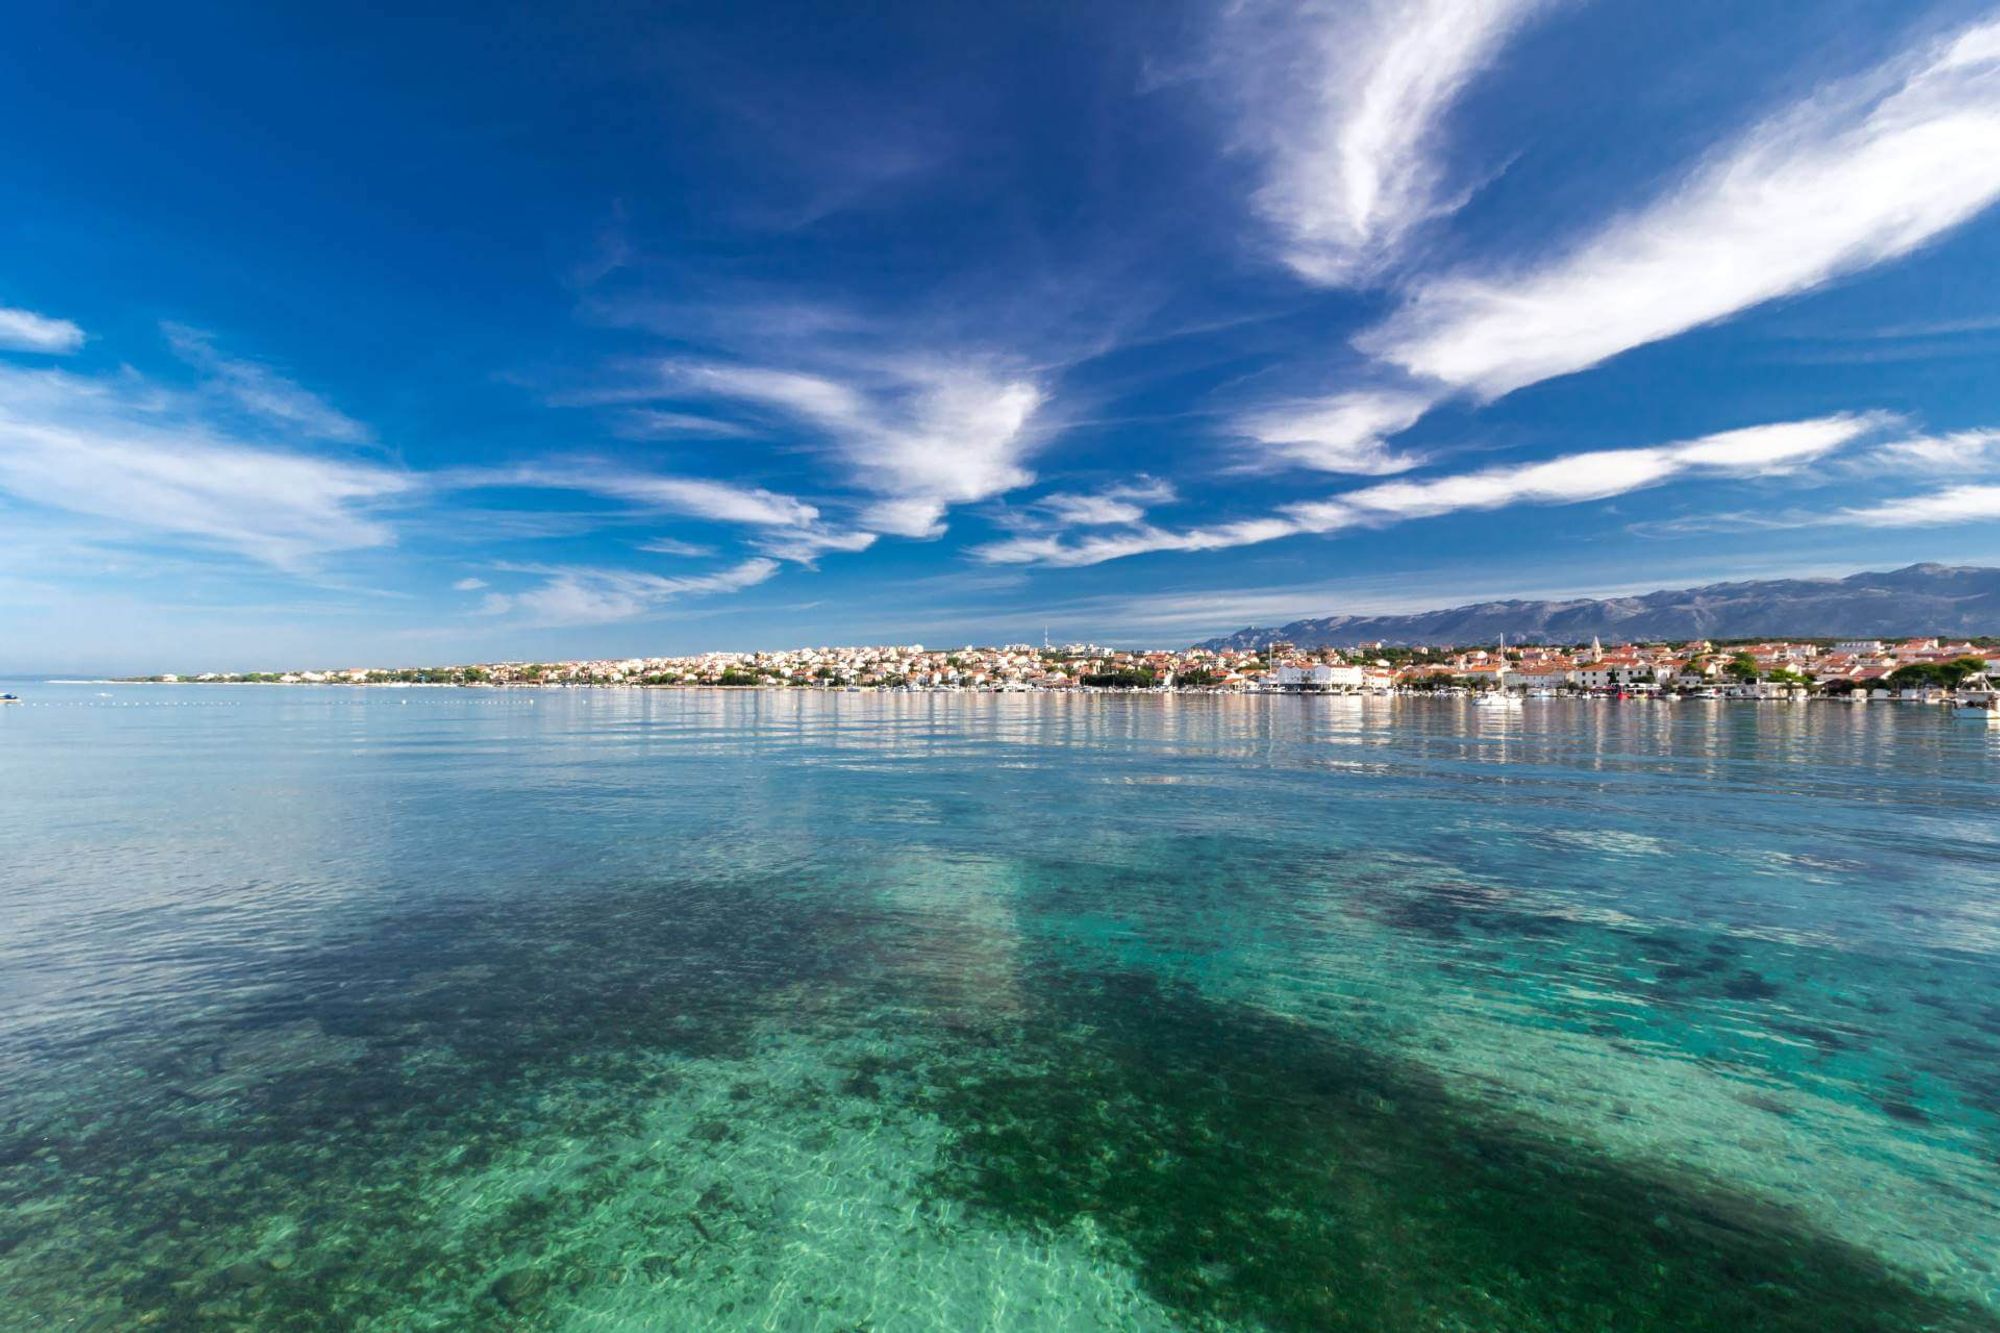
[787, 528]
[720, 500]
[1142, 539]
[1124, 503]
[1960, 451]
[26, 331]
[805, 546]
[1595, 475]
[919, 436]
[650, 424]
[816, 398]
[696, 497]
[468, 585]
[1346, 432]
[1600, 474]
[148, 462]
[1857, 175]
[1955, 504]
[587, 595]
[1346, 105]
[262, 392]
[675, 546]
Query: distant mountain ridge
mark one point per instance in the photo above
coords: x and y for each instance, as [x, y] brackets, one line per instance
[1925, 599]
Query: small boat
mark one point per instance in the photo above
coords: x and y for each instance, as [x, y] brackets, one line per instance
[1978, 710]
[10, 698]
[1497, 699]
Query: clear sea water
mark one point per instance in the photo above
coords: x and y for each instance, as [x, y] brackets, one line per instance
[605, 1010]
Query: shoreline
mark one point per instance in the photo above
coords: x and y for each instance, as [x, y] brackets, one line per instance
[1934, 699]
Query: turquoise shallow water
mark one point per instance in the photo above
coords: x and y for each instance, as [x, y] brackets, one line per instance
[612, 1010]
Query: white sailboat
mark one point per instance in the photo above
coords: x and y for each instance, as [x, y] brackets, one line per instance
[1498, 697]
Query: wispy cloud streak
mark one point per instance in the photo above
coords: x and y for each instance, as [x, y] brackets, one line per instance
[1347, 104]
[919, 436]
[26, 331]
[1126, 502]
[262, 392]
[696, 497]
[120, 450]
[1600, 474]
[585, 595]
[1346, 432]
[1955, 504]
[1961, 451]
[1857, 175]
[806, 545]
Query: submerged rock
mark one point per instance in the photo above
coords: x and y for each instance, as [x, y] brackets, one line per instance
[516, 1288]
[243, 1274]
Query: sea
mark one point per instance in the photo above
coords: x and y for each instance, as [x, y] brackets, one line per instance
[620, 1009]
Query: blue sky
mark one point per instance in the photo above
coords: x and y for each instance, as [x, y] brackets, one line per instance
[530, 331]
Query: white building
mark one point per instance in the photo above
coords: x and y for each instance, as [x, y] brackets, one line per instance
[1319, 677]
[1607, 677]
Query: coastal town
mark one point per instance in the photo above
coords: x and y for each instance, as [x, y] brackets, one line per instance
[1918, 669]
